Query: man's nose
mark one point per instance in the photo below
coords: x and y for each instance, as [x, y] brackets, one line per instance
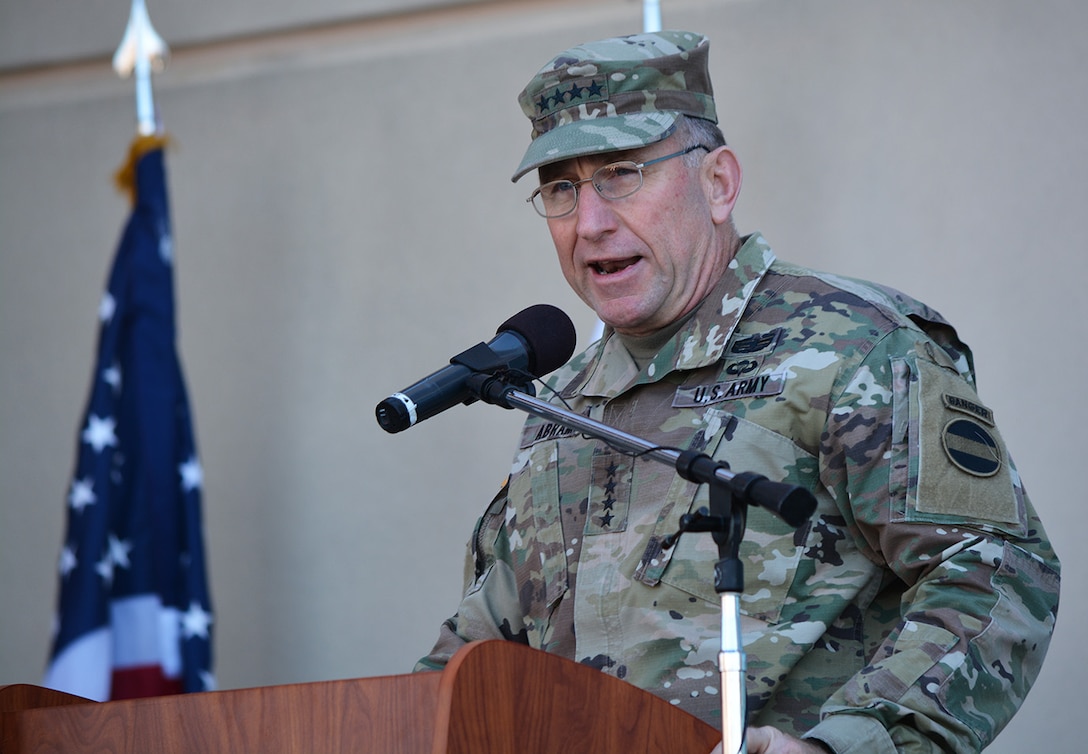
[596, 215]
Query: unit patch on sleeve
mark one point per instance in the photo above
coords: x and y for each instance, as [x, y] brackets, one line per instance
[971, 448]
[963, 466]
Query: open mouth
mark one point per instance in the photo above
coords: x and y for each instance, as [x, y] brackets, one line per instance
[612, 267]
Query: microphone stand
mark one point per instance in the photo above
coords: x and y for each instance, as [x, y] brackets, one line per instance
[730, 495]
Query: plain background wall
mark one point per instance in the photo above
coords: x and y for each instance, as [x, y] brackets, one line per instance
[344, 222]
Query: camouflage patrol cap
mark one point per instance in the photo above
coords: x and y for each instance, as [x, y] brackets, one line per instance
[619, 93]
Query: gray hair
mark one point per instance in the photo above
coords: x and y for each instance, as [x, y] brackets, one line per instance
[692, 131]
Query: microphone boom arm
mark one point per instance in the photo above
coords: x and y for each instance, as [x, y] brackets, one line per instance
[792, 503]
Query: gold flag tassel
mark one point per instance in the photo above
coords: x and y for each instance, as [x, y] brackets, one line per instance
[125, 177]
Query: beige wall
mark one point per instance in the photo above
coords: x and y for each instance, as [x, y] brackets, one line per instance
[344, 222]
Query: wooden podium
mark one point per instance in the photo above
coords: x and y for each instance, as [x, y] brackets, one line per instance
[494, 696]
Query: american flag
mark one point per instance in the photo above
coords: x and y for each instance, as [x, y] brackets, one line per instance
[134, 613]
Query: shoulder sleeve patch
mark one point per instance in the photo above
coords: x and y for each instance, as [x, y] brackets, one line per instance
[971, 448]
[963, 464]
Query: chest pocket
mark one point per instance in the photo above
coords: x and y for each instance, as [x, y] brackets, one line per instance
[771, 549]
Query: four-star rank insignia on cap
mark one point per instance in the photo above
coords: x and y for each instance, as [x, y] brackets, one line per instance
[570, 94]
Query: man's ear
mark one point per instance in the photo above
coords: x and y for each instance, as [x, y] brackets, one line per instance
[723, 174]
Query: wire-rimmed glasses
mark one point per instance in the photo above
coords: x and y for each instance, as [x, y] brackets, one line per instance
[615, 180]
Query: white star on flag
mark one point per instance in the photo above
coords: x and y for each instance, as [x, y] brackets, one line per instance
[166, 246]
[192, 475]
[104, 568]
[100, 433]
[119, 550]
[82, 494]
[208, 680]
[112, 377]
[68, 561]
[106, 307]
[195, 621]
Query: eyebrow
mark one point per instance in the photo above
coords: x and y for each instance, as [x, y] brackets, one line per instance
[557, 171]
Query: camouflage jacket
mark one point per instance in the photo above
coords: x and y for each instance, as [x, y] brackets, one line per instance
[911, 613]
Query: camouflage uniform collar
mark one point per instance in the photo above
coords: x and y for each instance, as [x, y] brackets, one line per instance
[610, 370]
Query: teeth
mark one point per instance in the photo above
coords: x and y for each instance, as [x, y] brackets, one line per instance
[607, 268]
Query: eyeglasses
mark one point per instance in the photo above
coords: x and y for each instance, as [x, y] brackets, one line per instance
[613, 181]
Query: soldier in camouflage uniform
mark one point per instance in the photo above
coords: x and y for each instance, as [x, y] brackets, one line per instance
[912, 612]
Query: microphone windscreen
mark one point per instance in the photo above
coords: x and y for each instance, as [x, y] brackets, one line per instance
[549, 334]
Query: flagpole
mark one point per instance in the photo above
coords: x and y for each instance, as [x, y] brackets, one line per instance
[731, 658]
[651, 22]
[141, 52]
[651, 16]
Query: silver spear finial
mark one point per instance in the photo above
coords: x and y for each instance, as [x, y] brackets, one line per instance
[143, 51]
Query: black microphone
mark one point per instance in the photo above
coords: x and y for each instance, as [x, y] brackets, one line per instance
[536, 340]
